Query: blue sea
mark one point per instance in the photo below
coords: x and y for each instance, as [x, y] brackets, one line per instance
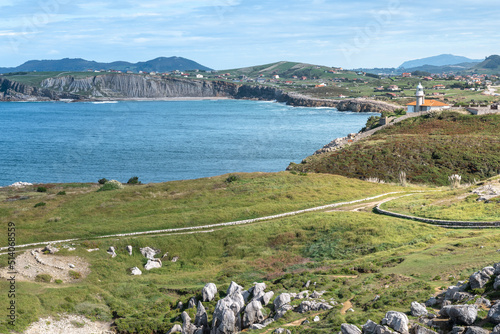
[160, 141]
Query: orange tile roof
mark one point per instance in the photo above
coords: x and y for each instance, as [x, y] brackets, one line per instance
[429, 103]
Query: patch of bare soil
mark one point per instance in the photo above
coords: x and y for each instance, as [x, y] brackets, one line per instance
[68, 324]
[33, 262]
[347, 305]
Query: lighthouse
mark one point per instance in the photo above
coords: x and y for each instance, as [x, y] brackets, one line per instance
[420, 97]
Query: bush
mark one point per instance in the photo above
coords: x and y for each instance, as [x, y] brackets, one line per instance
[134, 180]
[103, 181]
[44, 278]
[41, 189]
[111, 185]
[40, 204]
[61, 193]
[74, 274]
[58, 281]
[232, 178]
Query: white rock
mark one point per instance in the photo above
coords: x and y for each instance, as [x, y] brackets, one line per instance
[208, 292]
[135, 271]
[156, 263]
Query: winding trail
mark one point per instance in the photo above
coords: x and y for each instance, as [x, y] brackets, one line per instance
[200, 228]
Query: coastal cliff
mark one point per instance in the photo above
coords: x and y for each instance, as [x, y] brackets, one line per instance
[130, 86]
[15, 91]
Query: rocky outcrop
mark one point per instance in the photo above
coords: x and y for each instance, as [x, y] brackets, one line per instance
[208, 292]
[16, 91]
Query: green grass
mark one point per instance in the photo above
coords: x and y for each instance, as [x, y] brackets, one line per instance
[450, 205]
[393, 258]
[84, 212]
[428, 149]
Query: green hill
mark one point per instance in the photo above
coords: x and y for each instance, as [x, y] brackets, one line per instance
[427, 148]
[490, 65]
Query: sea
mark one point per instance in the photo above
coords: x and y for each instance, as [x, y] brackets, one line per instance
[157, 141]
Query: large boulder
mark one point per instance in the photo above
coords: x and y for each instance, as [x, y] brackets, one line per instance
[479, 279]
[258, 291]
[418, 310]
[309, 305]
[460, 314]
[201, 319]
[233, 287]
[476, 330]
[192, 302]
[281, 300]
[496, 284]
[233, 303]
[349, 329]
[494, 314]
[187, 326]
[282, 331]
[208, 292]
[496, 329]
[267, 297]
[280, 313]
[149, 253]
[253, 314]
[397, 321]
[371, 327]
[225, 323]
[418, 329]
[152, 264]
[176, 329]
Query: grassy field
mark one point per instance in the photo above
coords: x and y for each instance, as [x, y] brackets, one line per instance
[397, 259]
[36, 78]
[428, 149]
[460, 204]
[84, 212]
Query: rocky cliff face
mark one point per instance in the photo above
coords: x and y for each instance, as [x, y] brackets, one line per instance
[139, 86]
[355, 105]
[15, 91]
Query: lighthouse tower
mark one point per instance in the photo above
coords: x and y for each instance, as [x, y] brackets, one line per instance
[420, 97]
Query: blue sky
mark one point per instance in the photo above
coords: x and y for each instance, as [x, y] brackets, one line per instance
[224, 34]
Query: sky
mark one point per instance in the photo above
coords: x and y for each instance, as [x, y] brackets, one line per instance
[225, 34]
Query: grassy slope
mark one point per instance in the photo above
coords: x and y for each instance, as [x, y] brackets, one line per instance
[428, 149]
[83, 212]
[396, 259]
[458, 204]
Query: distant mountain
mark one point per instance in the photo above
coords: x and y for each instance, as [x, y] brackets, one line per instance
[489, 65]
[441, 60]
[161, 64]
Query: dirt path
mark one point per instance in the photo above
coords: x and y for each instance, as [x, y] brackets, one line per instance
[346, 305]
[206, 227]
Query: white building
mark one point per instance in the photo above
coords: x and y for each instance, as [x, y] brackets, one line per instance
[422, 105]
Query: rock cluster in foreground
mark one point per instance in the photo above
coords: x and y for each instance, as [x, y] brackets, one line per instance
[244, 309]
[457, 310]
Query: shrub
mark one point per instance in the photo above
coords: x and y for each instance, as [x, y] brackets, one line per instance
[44, 278]
[134, 180]
[454, 180]
[103, 181]
[74, 274]
[58, 281]
[94, 311]
[61, 193]
[40, 204]
[232, 178]
[111, 185]
[41, 189]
